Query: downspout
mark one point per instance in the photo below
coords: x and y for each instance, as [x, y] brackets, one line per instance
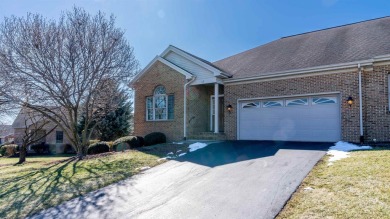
[360, 105]
[185, 107]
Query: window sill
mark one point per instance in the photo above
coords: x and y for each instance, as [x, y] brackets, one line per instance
[167, 120]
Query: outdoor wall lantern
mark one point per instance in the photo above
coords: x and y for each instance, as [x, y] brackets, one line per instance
[229, 108]
[350, 101]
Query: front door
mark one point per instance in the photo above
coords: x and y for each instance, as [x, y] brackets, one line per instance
[221, 113]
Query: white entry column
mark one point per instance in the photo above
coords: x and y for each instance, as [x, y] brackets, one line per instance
[216, 108]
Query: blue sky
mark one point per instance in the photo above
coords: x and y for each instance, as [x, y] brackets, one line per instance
[211, 29]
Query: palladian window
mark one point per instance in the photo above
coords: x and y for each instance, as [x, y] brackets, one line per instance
[160, 106]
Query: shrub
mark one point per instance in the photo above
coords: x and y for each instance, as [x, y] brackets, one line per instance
[41, 148]
[68, 149]
[9, 150]
[155, 138]
[131, 141]
[98, 148]
[141, 141]
[2, 151]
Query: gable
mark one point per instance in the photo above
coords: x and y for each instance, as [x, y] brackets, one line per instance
[188, 65]
[163, 61]
[202, 74]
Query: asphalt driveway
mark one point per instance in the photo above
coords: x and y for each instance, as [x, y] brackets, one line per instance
[234, 179]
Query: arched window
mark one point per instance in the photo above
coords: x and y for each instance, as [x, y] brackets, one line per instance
[160, 105]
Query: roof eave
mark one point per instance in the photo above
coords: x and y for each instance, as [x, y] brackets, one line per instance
[164, 61]
[323, 68]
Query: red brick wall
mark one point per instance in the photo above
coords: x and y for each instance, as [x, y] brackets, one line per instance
[159, 74]
[376, 104]
[198, 109]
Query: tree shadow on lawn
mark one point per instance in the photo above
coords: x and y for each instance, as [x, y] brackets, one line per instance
[31, 192]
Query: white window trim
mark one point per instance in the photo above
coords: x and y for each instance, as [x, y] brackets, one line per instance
[154, 97]
[212, 110]
[154, 107]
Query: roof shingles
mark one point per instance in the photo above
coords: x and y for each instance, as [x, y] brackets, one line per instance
[343, 44]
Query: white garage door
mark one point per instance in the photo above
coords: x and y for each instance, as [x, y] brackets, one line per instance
[309, 118]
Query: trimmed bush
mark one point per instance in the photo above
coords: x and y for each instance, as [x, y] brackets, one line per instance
[141, 141]
[68, 149]
[41, 148]
[131, 141]
[98, 148]
[9, 150]
[2, 151]
[155, 138]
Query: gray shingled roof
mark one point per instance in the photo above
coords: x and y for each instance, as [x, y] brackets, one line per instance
[348, 43]
[6, 130]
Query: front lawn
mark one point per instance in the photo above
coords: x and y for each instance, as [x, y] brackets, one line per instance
[44, 182]
[354, 187]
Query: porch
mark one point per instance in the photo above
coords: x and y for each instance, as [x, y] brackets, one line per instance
[205, 117]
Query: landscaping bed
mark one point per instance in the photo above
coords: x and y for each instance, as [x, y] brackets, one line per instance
[357, 186]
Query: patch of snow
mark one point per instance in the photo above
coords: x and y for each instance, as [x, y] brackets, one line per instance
[308, 189]
[178, 151]
[341, 150]
[170, 153]
[182, 154]
[162, 159]
[196, 146]
[178, 142]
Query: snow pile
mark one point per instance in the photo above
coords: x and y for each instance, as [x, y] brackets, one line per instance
[196, 146]
[173, 155]
[177, 142]
[192, 147]
[341, 150]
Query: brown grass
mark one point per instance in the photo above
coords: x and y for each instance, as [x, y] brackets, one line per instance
[43, 182]
[355, 187]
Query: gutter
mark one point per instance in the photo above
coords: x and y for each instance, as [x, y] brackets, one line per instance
[360, 106]
[185, 107]
[308, 70]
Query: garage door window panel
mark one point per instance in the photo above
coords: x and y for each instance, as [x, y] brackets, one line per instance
[324, 100]
[297, 102]
[273, 103]
[251, 105]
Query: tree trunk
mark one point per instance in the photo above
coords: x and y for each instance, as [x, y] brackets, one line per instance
[22, 154]
[80, 155]
[82, 151]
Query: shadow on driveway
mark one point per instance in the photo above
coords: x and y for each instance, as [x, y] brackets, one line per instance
[222, 153]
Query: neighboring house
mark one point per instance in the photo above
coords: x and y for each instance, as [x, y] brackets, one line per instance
[56, 139]
[325, 86]
[6, 134]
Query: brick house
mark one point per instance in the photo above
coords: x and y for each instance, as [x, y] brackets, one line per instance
[6, 134]
[56, 138]
[325, 86]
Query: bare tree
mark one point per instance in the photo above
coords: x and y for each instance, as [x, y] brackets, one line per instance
[35, 130]
[7, 107]
[65, 69]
